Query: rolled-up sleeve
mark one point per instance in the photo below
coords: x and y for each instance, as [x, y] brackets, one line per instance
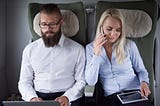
[25, 84]
[138, 64]
[77, 90]
[92, 65]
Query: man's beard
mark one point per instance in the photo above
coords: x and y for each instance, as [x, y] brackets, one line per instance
[52, 39]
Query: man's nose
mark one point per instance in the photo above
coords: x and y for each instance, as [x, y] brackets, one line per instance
[48, 27]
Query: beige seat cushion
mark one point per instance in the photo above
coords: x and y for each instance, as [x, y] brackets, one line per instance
[70, 26]
[138, 23]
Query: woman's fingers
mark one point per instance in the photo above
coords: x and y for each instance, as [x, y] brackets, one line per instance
[98, 43]
[145, 91]
[101, 39]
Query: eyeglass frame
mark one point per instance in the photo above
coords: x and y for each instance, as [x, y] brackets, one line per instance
[50, 25]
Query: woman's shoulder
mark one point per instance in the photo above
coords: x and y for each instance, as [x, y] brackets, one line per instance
[130, 42]
[130, 45]
[89, 45]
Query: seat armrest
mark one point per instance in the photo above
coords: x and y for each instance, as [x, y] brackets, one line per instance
[89, 90]
[157, 63]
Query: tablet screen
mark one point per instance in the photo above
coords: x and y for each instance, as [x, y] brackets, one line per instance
[130, 97]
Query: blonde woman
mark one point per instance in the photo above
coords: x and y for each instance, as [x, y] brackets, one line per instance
[115, 60]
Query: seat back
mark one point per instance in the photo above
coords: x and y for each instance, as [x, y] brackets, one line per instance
[145, 43]
[77, 8]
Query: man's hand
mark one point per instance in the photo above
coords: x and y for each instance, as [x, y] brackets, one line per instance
[145, 91]
[36, 99]
[63, 100]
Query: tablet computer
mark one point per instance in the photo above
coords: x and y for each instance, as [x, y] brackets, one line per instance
[130, 97]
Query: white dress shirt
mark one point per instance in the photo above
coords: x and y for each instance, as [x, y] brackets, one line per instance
[52, 69]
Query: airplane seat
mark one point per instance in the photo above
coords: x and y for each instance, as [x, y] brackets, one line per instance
[141, 18]
[74, 25]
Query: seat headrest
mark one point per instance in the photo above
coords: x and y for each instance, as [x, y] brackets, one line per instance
[69, 28]
[137, 23]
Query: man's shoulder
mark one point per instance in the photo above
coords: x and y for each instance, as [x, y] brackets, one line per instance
[71, 43]
[34, 44]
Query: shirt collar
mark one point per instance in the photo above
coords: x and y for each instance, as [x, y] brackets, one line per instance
[61, 40]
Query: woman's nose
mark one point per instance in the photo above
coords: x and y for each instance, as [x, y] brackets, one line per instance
[112, 33]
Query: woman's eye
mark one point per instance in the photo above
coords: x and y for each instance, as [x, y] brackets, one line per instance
[118, 30]
[108, 29]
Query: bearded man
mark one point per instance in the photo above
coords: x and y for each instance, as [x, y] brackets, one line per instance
[53, 66]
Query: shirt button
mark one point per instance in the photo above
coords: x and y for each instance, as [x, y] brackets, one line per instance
[114, 74]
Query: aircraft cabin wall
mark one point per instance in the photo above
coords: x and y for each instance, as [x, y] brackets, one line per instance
[15, 35]
[3, 82]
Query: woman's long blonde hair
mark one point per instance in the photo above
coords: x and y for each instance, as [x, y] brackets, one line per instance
[120, 43]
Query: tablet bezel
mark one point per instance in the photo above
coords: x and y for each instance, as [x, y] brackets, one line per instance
[131, 101]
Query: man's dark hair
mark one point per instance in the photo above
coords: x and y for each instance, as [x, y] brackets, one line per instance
[50, 8]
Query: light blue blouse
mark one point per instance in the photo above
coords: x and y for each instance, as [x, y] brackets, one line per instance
[113, 76]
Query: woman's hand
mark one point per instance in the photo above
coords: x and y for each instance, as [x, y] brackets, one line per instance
[63, 100]
[98, 43]
[145, 91]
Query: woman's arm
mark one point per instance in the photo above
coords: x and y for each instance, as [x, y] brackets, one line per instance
[140, 69]
[92, 65]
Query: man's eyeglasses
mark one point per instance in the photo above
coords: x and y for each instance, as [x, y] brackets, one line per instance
[45, 25]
